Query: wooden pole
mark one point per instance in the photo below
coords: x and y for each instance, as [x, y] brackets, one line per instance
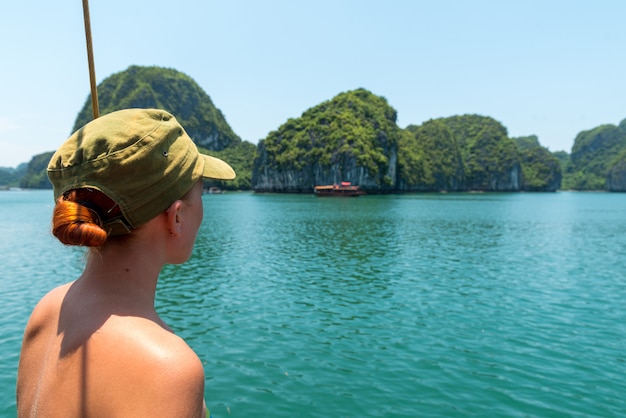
[92, 70]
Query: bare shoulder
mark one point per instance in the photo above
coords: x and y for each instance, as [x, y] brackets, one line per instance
[45, 312]
[169, 371]
[174, 358]
[182, 386]
[36, 345]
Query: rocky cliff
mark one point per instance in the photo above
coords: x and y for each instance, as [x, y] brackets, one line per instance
[596, 159]
[430, 159]
[352, 137]
[164, 88]
[541, 169]
[459, 153]
[616, 179]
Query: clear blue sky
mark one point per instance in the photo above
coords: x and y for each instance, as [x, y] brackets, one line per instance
[546, 67]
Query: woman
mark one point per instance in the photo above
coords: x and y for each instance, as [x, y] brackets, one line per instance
[128, 185]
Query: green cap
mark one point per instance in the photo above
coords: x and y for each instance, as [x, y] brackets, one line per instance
[140, 158]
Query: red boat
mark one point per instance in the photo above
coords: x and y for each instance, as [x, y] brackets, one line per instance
[343, 189]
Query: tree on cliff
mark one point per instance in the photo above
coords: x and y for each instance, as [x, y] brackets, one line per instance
[490, 157]
[168, 89]
[36, 177]
[594, 154]
[10, 177]
[616, 178]
[155, 87]
[468, 152]
[352, 137]
[240, 157]
[429, 159]
[541, 170]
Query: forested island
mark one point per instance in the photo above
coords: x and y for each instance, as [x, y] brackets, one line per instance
[354, 137]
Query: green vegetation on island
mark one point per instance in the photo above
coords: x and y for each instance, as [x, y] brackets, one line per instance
[354, 137]
[154, 87]
[541, 169]
[351, 137]
[240, 158]
[597, 158]
[10, 177]
[168, 89]
[429, 159]
[460, 153]
[36, 176]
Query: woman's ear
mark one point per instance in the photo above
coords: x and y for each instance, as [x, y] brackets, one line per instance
[174, 218]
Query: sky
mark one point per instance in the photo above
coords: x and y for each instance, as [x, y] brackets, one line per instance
[549, 68]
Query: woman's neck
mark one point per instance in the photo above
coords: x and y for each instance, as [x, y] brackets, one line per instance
[128, 274]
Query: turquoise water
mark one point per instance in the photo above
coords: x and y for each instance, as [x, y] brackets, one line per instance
[455, 305]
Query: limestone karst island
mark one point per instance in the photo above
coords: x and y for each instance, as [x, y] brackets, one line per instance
[353, 137]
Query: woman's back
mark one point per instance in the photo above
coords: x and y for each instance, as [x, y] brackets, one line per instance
[128, 186]
[86, 357]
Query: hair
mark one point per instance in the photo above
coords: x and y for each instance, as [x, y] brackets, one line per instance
[78, 217]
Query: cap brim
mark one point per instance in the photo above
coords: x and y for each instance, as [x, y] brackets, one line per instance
[214, 168]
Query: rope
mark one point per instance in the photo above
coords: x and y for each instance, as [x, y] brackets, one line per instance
[92, 70]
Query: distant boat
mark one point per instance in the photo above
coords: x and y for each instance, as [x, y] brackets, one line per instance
[345, 188]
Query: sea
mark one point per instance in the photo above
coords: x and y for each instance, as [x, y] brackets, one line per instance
[414, 305]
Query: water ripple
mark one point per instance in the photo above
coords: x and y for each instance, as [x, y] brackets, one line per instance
[504, 305]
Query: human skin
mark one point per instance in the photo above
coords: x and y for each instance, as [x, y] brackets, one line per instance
[96, 346]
